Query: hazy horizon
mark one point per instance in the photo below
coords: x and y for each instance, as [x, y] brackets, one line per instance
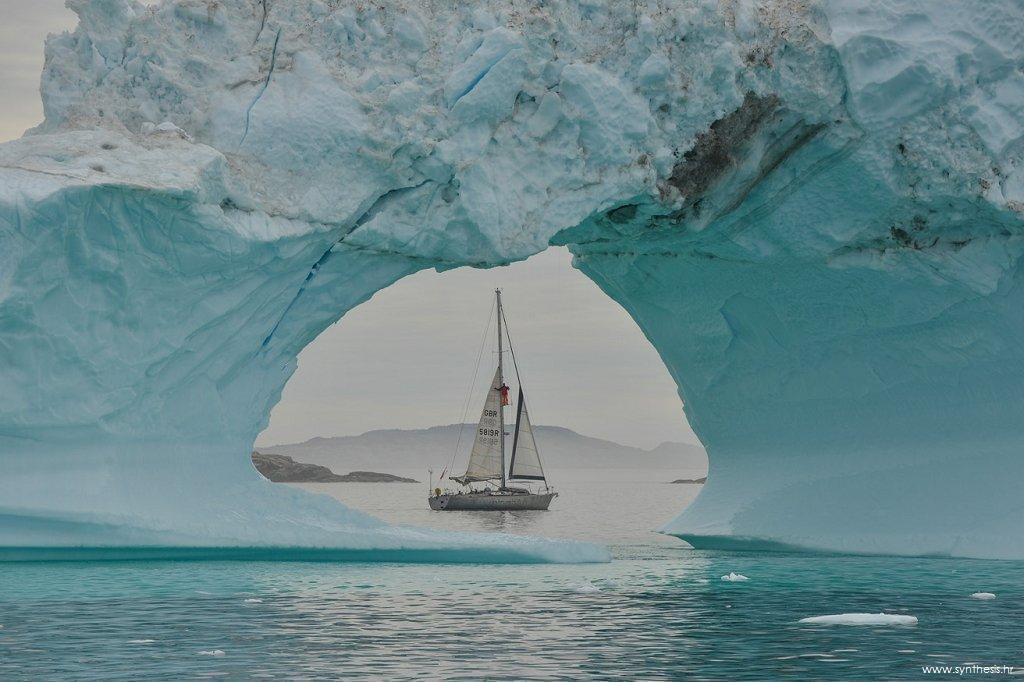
[510, 426]
[446, 449]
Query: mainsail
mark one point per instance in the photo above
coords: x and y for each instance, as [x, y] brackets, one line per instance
[525, 457]
[485, 460]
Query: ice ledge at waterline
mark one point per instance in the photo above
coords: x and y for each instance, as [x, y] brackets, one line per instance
[812, 210]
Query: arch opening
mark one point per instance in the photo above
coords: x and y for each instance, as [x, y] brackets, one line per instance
[385, 390]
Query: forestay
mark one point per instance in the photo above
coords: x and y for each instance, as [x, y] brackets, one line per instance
[525, 457]
[485, 460]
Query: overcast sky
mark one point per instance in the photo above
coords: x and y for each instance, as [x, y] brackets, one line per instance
[24, 25]
[405, 358]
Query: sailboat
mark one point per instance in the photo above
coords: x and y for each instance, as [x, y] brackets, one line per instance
[487, 458]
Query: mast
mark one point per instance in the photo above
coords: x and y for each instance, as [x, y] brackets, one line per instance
[501, 406]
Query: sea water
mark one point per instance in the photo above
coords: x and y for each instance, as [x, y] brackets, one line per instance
[659, 610]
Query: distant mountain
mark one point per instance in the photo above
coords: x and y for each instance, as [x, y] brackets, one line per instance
[284, 469]
[417, 449]
[702, 479]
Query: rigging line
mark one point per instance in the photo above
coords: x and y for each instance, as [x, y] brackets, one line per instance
[512, 350]
[469, 393]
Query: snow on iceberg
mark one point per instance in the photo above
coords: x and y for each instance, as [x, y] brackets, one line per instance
[814, 211]
[862, 619]
[984, 596]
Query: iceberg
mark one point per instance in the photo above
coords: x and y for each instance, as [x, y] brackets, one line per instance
[814, 211]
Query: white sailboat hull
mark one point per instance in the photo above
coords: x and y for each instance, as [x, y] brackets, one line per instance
[490, 501]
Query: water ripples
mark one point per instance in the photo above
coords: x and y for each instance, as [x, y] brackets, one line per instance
[664, 617]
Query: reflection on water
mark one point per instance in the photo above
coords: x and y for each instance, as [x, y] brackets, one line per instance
[658, 611]
[508, 521]
[620, 510]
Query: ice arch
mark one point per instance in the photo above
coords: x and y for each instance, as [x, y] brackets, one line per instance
[813, 210]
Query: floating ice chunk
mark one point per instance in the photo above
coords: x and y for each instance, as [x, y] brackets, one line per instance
[862, 619]
[214, 652]
[585, 586]
[141, 641]
[735, 577]
[983, 595]
[253, 600]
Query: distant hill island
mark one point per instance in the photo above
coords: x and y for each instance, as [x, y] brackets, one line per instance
[406, 450]
[284, 469]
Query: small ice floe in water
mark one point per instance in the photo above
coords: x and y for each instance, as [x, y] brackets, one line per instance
[214, 652]
[141, 641]
[253, 600]
[983, 595]
[861, 619]
[585, 586]
[735, 577]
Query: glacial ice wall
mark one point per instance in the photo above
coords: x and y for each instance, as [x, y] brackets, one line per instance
[813, 210]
